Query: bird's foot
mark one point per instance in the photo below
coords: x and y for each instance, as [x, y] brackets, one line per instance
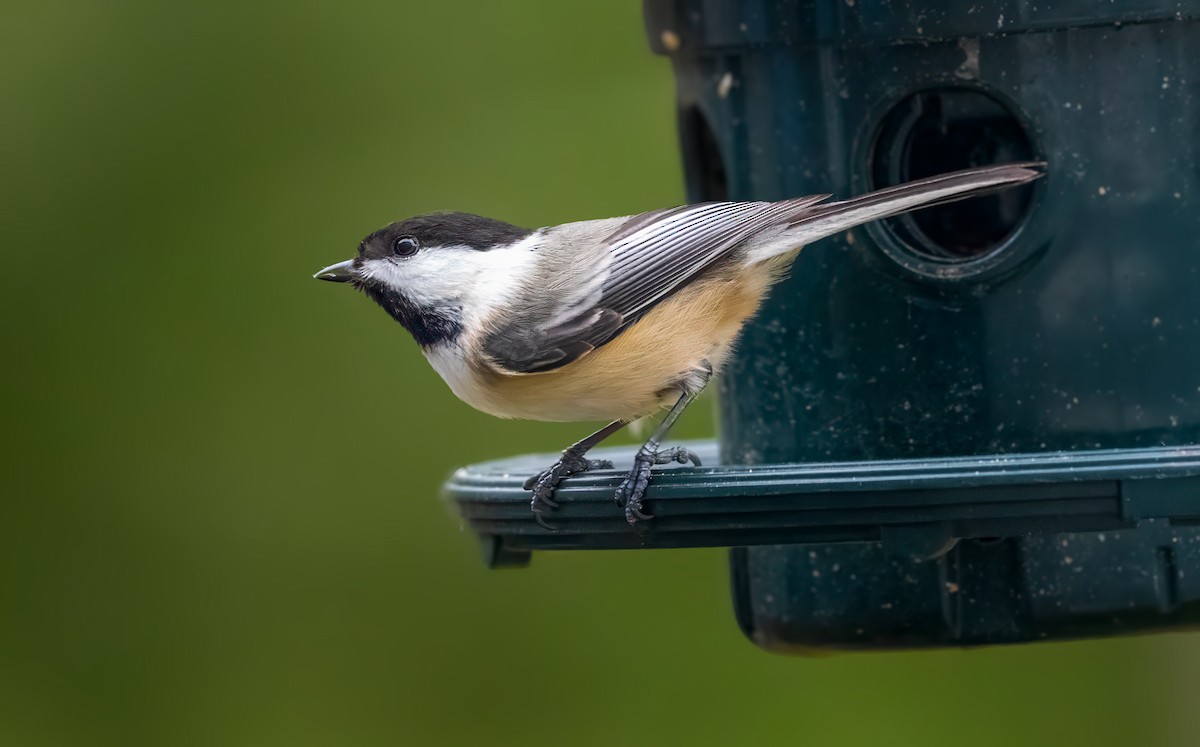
[544, 483]
[633, 487]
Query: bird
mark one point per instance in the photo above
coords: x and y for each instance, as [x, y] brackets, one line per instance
[612, 319]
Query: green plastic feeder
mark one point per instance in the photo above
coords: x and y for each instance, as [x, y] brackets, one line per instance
[976, 424]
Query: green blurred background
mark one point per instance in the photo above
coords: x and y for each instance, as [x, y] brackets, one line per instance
[220, 518]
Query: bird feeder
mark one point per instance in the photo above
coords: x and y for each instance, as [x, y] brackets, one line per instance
[973, 424]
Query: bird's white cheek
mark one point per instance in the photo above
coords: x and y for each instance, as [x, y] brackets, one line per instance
[426, 280]
[500, 272]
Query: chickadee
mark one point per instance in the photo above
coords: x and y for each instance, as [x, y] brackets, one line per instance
[607, 319]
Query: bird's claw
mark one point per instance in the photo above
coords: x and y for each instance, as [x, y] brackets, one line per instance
[546, 482]
[633, 488]
[677, 454]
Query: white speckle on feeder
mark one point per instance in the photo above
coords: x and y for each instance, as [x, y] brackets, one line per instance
[1166, 82]
[726, 85]
[1178, 195]
[1156, 321]
[670, 40]
[1102, 191]
[1000, 21]
[969, 69]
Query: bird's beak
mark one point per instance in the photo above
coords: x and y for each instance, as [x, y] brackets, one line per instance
[342, 272]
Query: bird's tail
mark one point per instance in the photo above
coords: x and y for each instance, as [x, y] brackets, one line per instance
[818, 221]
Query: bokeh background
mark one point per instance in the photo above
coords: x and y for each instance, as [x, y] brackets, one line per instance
[220, 521]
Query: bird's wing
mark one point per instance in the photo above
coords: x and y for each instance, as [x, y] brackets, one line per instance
[649, 257]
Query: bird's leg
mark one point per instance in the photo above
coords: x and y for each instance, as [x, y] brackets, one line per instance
[572, 462]
[633, 487]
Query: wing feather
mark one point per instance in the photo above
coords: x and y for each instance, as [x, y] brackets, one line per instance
[648, 258]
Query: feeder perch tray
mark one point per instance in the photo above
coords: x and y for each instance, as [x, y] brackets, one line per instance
[915, 507]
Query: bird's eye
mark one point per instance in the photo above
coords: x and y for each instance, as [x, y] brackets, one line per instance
[406, 246]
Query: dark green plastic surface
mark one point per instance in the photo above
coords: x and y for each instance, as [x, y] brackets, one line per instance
[1020, 373]
[1080, 331]
[916, 508]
